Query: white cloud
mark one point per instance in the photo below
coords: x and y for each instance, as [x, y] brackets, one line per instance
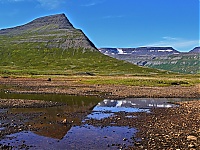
[178, 43]
[16, 0]
[49, 4]
[89, 4]
[5, 1]
[110, 17]
[93, 3]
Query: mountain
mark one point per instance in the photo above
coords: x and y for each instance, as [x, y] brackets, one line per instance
[51, 45]
[195, 50]
[165, 58]
[51, 31]
[154, 51]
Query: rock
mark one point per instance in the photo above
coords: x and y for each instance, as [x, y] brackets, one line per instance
[192, 138]
[125, 139]
[138, 144]
[64, 121]
[191, 146]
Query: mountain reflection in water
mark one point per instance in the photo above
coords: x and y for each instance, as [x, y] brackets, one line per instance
[138, 103]
[49, 122]
[107, 107]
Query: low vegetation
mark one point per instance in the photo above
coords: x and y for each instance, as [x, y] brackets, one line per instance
[182, 63]
[35, 58]
[152, 80]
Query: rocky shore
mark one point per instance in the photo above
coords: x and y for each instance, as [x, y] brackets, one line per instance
[164, 128]
[172, 128]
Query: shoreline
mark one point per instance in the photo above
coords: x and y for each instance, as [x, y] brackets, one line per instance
[163, 128]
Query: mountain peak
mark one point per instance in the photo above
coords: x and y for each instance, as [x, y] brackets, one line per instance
[54, 31]
[59, 20]
[47, 23]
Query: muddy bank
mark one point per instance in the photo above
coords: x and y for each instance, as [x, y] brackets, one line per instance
[73, 87]
[21, 103]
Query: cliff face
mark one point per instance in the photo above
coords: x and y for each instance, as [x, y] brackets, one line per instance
[53, 31]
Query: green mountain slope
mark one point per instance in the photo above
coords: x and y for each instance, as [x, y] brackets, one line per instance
[165, 58]
[51, 45]
[183, 63]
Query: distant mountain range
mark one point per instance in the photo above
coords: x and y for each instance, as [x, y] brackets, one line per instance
[153, 51]
[166, 58]
[51, 45]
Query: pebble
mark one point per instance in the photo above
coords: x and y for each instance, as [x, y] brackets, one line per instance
[192, 138]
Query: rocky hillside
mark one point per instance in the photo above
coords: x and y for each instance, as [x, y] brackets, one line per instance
[165, 58]
[51, 45]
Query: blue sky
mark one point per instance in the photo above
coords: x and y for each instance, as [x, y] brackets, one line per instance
[117, 23]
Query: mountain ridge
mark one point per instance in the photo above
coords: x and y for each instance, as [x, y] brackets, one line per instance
[139, 51]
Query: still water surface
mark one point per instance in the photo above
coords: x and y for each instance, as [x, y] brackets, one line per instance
[76, 134]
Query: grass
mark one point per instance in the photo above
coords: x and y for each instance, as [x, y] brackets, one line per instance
[184, 63]
[153, 80]
[71, 61]
[163, 80]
